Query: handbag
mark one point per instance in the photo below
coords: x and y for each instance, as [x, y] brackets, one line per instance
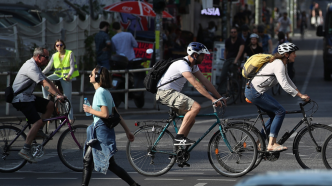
[113, 120]
[313, 20]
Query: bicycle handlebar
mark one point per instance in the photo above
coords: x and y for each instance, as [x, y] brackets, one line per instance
[214, 103]
[305, 103]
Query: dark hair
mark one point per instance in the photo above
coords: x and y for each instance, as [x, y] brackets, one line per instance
[104, 77]
[260, 29]
[59, 40]
[281, 37]
[244, 27]
[234, 28]
[103, 24]
[116, 26]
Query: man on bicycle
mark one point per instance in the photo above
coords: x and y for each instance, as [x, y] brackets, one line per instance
[169, 94]
[29, 76]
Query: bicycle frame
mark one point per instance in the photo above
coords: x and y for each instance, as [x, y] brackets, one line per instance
[200, 139]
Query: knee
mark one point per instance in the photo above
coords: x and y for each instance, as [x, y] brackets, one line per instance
[281, 112]
[196, 107]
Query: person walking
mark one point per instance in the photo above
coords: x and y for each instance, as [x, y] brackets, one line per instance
[103, 45]
[65, 67]
[268, 76]
[317, 15]
[234, 47]
[100, 154]
[253, 48]
[123, 43]
[27, 78]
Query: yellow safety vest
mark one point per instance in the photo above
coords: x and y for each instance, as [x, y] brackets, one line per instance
[62, 68]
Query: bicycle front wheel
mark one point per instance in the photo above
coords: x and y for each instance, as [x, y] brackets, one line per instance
[235, 154]
[327, 152]
[10, 161]
[256, 134]
[147, 155]
[307, 154]
[70, 147]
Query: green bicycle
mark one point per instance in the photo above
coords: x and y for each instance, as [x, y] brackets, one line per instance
[232, 151]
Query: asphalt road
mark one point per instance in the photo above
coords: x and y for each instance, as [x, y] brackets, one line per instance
[309, 79]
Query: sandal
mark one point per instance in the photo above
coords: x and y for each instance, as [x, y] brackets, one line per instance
[280, 148]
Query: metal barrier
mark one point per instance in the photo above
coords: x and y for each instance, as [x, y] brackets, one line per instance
[82, 93]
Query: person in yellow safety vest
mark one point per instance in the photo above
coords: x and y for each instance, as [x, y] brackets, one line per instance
[65, 67]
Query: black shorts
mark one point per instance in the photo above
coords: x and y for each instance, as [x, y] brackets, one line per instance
[31, 109]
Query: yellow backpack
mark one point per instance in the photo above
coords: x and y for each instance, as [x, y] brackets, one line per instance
[254, 63]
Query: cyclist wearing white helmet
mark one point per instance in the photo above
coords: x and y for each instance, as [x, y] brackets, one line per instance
[268, 76]
[253, 48]
[169, 94]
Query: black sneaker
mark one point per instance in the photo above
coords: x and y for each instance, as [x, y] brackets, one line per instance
[183, 141]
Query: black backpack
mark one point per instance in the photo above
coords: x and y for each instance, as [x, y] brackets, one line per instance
[156, 72]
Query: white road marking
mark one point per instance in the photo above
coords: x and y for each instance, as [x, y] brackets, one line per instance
[106, 178]
[215, 180]
[12, 178]
[162, 179]
[306, 82]
[200, 184]
[190, 173]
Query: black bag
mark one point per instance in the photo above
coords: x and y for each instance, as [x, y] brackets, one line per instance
[9, 93]
[112, 120]
[157, 71]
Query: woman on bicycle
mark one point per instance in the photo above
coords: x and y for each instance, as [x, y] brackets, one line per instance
[101, 155]
[268, 76]
[253, 48]
[65, 68]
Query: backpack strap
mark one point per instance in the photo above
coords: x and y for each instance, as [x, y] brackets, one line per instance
[19, 92]
[177, 77]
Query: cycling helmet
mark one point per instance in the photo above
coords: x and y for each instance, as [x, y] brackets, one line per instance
[196, 47]
[287, 47]
[254, 36]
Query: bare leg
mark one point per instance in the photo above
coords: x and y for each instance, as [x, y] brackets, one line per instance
[189, 119]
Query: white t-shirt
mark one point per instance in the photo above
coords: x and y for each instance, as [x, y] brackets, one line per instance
[284, 24]
[174, 71]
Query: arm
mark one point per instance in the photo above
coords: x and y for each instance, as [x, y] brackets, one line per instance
[103, 113]
[49, 66]
[130, 136]
[49, 86]
[239, 54]
[207, 84]
[225, 53]
[72, 66]
[133, 42]
[277, 29]
[191, 78]
[280, 73]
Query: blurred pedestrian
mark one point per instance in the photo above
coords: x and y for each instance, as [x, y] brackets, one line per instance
[245, 34]
[123, 43]
[65, 67]
[234, 47]
[303, 23]
[248, 14]
[253, 47]
[103, 45]
[284, 25]
[265, 40]
[317, 15]
[209, 33]
[100, 145]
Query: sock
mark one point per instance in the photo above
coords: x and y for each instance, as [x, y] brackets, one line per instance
[27, 147]
[179, 136]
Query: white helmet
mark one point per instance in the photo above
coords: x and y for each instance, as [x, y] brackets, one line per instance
[253, 35]
[287, 47]
[196, 47]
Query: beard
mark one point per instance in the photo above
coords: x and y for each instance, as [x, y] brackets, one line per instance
[233, 37]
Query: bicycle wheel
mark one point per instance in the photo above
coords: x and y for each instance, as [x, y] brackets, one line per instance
[10, 161]
[233, 90]
[327, 152]
[256, 134]
[69, 152]
[306, 152]
[147, 159]
[239, 159]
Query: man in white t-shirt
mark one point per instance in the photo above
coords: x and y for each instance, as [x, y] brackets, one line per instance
[284, 25]
[169, 94]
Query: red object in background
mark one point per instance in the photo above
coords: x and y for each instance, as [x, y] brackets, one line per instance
[206, 65]
[136, 8]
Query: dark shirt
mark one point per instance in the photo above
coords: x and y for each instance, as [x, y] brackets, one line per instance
[101, 40]
[246, 40]
[233, 48]
[250, 51]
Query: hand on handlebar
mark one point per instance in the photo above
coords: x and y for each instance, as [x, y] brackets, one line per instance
[219, 103]
[61, 97]
[305, 97]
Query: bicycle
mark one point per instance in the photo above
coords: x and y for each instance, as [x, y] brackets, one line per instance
[307, 144]
[69, 147]
[327, 153]
[153, 153]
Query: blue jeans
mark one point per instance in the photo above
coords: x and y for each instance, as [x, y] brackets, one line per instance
[269, 105]
[105, 64]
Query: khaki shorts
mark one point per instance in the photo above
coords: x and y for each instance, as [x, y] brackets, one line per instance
[175, 100]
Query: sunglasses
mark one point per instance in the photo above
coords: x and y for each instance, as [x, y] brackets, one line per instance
[59, 45]
[46, 57]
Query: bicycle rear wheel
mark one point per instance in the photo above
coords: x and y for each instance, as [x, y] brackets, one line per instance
[147, 158]
[10, 161]
[256, 134]
[305, 150]
[327, 152]
[237, 160]
[233, 90]
[69, 152]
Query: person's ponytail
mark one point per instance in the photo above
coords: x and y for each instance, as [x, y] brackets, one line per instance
[276, 56]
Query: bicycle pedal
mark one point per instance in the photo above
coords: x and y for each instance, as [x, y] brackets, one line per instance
[186, 164]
